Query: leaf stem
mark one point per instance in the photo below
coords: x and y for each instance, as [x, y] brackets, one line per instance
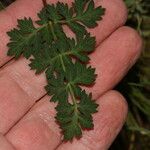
[62, 63]
[73, 97]
[52, 30]
[66, 21]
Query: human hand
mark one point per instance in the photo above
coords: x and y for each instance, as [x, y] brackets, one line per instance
[27, 118]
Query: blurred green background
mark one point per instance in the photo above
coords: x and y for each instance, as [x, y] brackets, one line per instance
[135, 134]
[136, 85]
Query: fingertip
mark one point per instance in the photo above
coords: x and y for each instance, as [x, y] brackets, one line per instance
[136, 44]
[115, 98]
[118, 7]
[115, 17]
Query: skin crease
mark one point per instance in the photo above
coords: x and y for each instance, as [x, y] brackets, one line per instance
[5, 144]
[117, 50]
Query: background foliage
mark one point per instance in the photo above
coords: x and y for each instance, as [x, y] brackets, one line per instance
[136, 85]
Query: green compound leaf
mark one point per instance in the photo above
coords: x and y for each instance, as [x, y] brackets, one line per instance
[27, 39]
[64, 60]
[56, 87]
[80, 74]
[60, 51]
[75, 75]
[90, 15]
[75, 117]
[18, 39]
[78, 18]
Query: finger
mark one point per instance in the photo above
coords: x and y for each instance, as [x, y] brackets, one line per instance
[38, 130]
[112, 60]
[15, 101]
[114, 57]
[108, 122]
[28, 8]
[5, 144]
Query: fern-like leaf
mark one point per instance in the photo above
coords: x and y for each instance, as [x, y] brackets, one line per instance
[64, 60]
[77, 116]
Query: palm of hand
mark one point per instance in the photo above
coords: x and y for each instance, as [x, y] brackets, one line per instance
[27, 118]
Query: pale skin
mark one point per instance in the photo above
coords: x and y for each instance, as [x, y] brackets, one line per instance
[27, 118]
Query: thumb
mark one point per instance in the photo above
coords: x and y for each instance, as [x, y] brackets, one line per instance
[4, 144]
